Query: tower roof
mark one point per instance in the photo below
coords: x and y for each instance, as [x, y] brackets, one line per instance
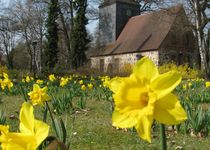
[109, 2]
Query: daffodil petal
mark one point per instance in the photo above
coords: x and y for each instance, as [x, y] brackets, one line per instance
[145, 68]
[42, 130]
[165, 83]
[143, 127]
[44, 89]
[22, 141]
[36, 87]
[115, 84]
[26, 118]
[169, 111]
[124, 120]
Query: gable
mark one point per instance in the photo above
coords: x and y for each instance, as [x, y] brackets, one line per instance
[143, 32]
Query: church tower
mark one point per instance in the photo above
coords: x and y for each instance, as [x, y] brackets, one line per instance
[113, 15]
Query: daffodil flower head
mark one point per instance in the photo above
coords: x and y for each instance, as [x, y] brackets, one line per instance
[145, 96]
[90, 86]
[63, 81]
[32, 132]
[38, 95]
[52, 77]
[6, 83]
[207, 84]
[29, 125]
[23, 80]
[39, 81]
[5, 75]
[81, 82]
[28, 79]
[83, 87]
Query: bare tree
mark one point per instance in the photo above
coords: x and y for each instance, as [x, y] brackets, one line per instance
[7, 38]
[30, 21]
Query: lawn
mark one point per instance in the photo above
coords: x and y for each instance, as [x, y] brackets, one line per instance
[91, 128]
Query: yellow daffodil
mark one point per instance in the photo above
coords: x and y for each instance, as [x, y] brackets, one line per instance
[23, 80]
[5, 75]
[29, 125]
[81, 82]
[32, 132]
[38, 95]
[28, 79]
[189, 84]
[207, 84]
[39, 81]
[83, 87]
[4, 139]
[52, 77]
[90, 86]
[6, 82]
[144, 96]
[63, 81]
[184, 86]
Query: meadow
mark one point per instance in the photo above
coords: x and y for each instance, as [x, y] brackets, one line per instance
[79, 113]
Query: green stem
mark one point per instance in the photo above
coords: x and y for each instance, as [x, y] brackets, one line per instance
[53, 121]
[163, 137]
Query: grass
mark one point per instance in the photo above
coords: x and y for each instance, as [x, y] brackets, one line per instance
[91, 129]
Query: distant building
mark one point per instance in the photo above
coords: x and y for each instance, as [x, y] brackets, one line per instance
[126, 36]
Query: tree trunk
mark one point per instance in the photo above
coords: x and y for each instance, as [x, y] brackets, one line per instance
[201, 43]
[66, 35]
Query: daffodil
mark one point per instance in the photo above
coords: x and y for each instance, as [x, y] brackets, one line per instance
[207, 84]
[23, 80]
[63, 81]
[5, 75]
[184, 86]
[81, 82]
[144, 96]
[6, 82]
[38, 95]
[29, 125]
[32, 132]
[52, 77]
[90, 86]
[28, 79]
[4, 139]
[39, 81]
[83, 87]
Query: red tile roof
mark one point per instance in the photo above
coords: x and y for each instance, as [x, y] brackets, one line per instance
[143, 32]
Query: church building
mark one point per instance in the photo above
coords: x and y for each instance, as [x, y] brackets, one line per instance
[125, 36]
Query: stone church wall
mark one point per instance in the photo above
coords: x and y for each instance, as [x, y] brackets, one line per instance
[116, 63]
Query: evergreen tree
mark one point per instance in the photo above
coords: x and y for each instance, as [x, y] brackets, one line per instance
[52, 35]
[79, 37]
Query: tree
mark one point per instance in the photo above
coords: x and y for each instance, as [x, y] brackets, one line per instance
[7, 37]
[79, 37]
[28, 18]
[200, 7]
[52, 35]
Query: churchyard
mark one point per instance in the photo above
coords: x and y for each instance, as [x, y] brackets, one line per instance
[78, 110]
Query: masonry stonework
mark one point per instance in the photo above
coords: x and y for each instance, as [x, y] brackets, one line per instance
[116, 63]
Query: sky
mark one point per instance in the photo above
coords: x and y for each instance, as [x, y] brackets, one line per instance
[90, 27]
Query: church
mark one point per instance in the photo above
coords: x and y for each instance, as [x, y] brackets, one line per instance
[125, 36]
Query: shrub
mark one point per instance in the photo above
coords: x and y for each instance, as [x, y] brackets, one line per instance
[3, 69]
[184, 70]
[126, 69]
